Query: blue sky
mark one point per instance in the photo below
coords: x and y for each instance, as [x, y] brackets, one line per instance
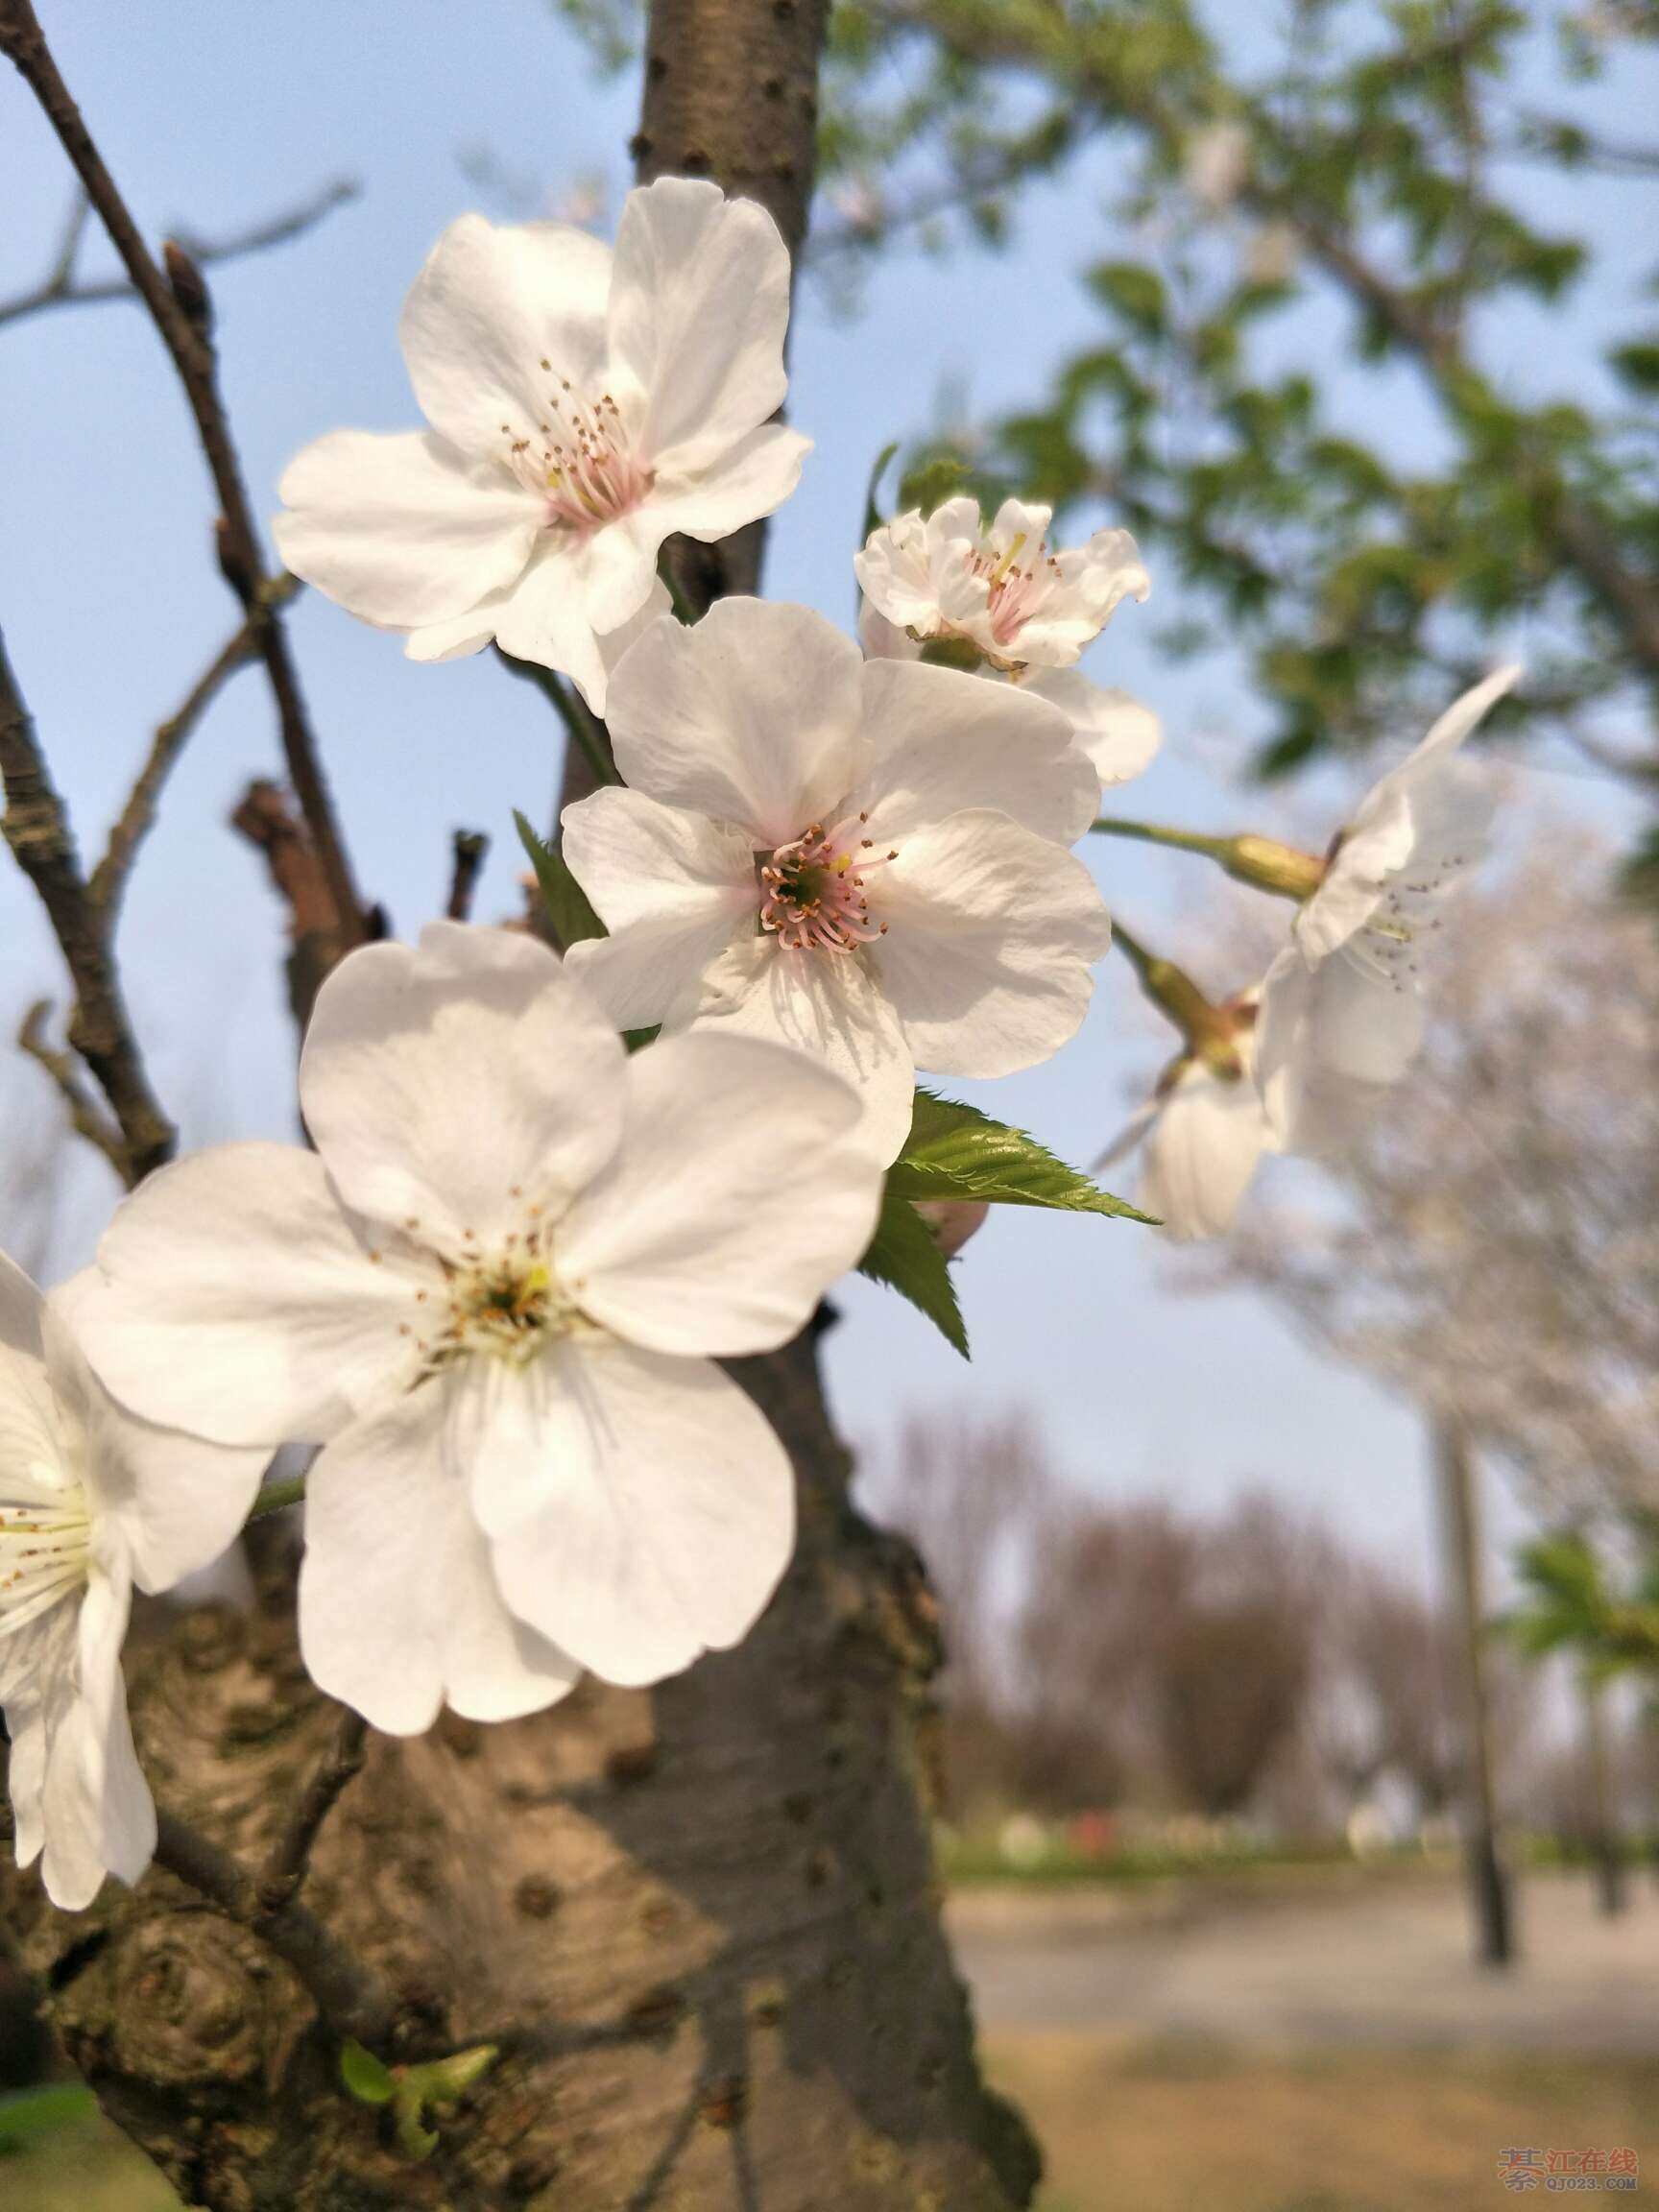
[213, 118]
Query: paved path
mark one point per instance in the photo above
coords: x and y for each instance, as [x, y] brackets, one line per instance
[1384, 1964]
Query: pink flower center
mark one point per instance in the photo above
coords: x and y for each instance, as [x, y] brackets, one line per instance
[813, 894]
[1016, 593]
[581, 459]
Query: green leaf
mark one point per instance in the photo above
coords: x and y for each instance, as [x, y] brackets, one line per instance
[34, 2114]
[954, 1151]
[573, 918]
[873, 514]
[903, 1254]
[369, 2080]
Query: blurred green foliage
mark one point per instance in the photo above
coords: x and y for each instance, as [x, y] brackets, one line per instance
[1380, 419]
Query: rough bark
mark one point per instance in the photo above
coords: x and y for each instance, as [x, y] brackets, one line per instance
[700, 1920]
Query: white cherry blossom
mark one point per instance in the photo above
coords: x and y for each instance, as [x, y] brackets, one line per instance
[863, 860]
[583, 405]
[496, 1295]
[1027, 611]
[1342, 1008]
[1203, 1132]
[91, 1502]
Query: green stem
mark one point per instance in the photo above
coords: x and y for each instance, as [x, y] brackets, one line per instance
[1261, 862]
[585, 732]
[1174, 991]
[1215, 849]
[277, 1497]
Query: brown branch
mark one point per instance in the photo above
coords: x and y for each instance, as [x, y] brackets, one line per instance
[36, 828]
[61, 288]
[468, 848]
[265, 818]
[179, 310]
[87, 1116]
[348, 1996]
[137, 817]
[283, 1874]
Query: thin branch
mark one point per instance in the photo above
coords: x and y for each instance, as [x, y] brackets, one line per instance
[36, 828]
[265, 819]
[137, 817]
[467, 849]
[347, 1995]
[282, 1876]
[60, 287]
[179, 310]
[87, 1116]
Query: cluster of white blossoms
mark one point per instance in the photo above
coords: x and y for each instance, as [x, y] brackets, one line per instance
[491, 1298]
[997, 596]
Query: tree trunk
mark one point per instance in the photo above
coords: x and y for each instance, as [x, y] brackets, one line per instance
[704, 1915]
[700, 1920]
[1489, 1890]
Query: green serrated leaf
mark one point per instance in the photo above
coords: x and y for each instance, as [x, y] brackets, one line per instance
[903, 1254]
[369, 2080]
[573, 918]
[954, 1151]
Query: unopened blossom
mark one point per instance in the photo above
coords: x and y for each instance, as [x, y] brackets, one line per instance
[1203, 1132]
[583, 405]
[496, 1295]
[862, 860]
[91, 1502]
[1341, 1009]
[999, 591]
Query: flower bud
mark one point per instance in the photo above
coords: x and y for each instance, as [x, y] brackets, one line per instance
[1269, 866]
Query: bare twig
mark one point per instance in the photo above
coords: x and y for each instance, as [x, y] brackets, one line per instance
[37, 828]
[60, 287]
[137, 817]
[468, 848]
[87, 1116]
[348, 1996]
[283, 1874]
[178, 310]
[266, 818]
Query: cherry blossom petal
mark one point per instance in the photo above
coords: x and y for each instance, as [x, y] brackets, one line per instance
[699, 306]
[36, 1661]
[97, 1812]
[895, 571]
[672, 888]
[491, 305]
[829, 1005]
[1120, 736]
[1329, 1038]
[176, 1503]
[1202, 1151]
[437, 1083]
[942, 741]
[237, 1300]
[715, 1230]
[402, 530]
[993, 930]
[751, 478]
[399, 1612]
[22, 1307]
[1423, 816]
[750, 716]
[643, 1515]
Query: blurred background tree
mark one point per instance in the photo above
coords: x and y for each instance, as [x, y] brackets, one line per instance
[1288, 196]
